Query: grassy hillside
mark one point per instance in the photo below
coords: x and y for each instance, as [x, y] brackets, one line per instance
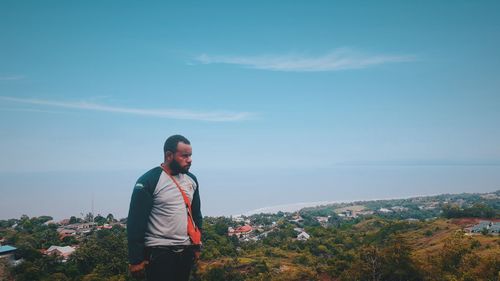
[373, 249]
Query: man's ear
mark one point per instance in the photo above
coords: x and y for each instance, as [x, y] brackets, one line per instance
[169, 156]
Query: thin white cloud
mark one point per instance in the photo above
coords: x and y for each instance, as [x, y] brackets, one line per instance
[11, 78]
[165, 113]
[32, 110]
[339, 59]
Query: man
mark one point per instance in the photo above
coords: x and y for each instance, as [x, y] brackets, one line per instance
[159, 220]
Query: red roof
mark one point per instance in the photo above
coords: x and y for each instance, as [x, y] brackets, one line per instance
[245, 228]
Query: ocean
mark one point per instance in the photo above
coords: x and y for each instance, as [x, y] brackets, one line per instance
[226, 192]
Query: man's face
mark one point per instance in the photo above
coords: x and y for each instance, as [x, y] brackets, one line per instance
[181, 159]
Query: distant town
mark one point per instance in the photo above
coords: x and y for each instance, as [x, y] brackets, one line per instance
[413, 209]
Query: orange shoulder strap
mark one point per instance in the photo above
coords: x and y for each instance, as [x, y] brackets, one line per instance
[193, 231]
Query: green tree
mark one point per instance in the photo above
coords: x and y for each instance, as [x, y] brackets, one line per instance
[47, 237]
[453, 252]
[27, 271]
[110, 218]
[100, 220]
[44, 219]
[397, 262]
[73, 220]
[104, 253]
[367, 265]
[89, 217]
[58, 276]
[69, 240]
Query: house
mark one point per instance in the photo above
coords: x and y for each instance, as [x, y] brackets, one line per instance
[298, 229]
[7, 253]
[64, 222]
[385, 210]
[87, 225]
[303, 236]
[240, 232]
[50, 222]
[364, 213]
[322, 219]
[63, 232]
[399, 209]
[491, 227]
[478, 228]
[431, 205]
[82, 228]
[296, 218]
[347, 213]
[238, 219]
[490, 196]
[105, 226]
[495, 228]
[63, 252]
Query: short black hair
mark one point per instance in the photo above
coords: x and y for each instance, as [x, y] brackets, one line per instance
[172, 141]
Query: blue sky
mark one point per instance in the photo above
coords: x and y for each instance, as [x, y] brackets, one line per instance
[283, 102]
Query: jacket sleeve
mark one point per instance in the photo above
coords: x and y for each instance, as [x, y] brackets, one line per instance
[137, 221]
[196, 204]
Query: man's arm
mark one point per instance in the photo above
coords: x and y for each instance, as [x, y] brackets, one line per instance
[137, 221]
[196, 204]
[196, 208]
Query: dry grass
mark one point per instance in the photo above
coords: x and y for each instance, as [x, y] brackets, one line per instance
[354, 208]
[440, 230]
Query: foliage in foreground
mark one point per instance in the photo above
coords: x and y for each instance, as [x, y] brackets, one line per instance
[366, 249]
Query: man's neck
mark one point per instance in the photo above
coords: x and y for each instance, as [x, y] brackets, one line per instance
[166, 169]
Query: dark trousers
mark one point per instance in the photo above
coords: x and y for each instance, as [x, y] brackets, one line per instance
[170, 264]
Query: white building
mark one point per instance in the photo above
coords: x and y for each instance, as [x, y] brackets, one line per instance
[63, 252]
[303, 236]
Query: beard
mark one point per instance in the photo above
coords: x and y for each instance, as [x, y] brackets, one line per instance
[176, 168]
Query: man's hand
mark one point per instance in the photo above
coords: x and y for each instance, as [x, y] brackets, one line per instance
[197, 255]
[137, 270]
